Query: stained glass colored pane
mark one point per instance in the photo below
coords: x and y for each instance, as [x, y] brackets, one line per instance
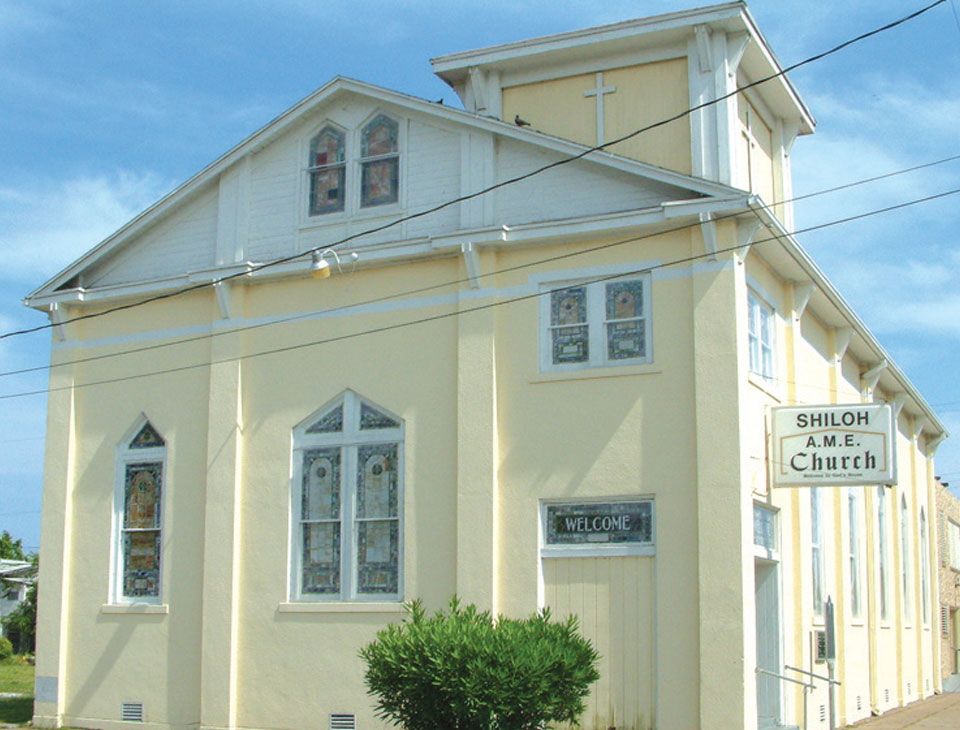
[599, 523]
[570, 344]
[330, 422]
[321, 484]
[626, 339]
[327, 148]
[378, 556]
[379, 137]
[146, 438]
[624, 299]
[141, 495]
[371, 418]
[141, 563]
[377, 481]
[568, 306]
[327, 189]
[380, 182]
[321, 558]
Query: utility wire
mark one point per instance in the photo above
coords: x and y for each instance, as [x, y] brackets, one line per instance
[454, 282]
[483, 191]
[481, 307]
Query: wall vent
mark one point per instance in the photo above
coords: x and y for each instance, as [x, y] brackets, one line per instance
[859, 703]
[908, 689]
[823, 713]
[927, 683]
[343, 721]
[944, 620]
[886, 696]
[131, 711]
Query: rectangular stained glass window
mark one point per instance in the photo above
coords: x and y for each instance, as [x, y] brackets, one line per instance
[377, 519]
[599, 523]
[141, 529]
[624, 320]
[320, 520]
[568, 325]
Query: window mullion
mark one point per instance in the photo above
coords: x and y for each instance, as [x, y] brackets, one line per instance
[348, 510]
[596, 335]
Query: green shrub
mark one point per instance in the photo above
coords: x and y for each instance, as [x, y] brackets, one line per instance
[6, 648]
[465, 670]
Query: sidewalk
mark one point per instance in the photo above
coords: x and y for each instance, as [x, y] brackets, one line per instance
[940, 712]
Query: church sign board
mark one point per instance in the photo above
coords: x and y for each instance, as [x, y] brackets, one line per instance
[833, 445]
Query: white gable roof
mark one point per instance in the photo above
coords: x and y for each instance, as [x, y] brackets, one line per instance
[185, 220]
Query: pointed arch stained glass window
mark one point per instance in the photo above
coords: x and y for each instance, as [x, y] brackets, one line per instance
[139, 524]
[379, 162]
[330, 422]
[371, 418]
[146, 438]
[327, 171]
[347, 502]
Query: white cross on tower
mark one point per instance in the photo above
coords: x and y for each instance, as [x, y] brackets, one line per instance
[598, 92]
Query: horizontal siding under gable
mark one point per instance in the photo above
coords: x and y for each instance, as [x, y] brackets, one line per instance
[580, 188]
[274, 209]
[184, 241]
[432, 177]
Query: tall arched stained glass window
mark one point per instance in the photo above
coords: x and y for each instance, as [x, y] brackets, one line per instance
[905, 558]
[138, 509]
[326, 170]
[379, 162]
[347, 504]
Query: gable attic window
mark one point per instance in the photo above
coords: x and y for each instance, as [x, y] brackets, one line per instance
[346, 504]
[138, 518]
[326, 168]
[595, 324]
[379, 162]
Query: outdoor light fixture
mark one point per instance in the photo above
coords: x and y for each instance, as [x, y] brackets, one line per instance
[320, 267]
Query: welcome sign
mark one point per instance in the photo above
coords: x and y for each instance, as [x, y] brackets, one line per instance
[833, 445]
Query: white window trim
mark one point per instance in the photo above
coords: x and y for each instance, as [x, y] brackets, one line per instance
[764, 305]
[883, 568]
[817, 558]
[597, 551]
[353, 138]
[855, 547]
[953, 544]
[124, 456]
[348, 440]
[596, 322]
[905, 574]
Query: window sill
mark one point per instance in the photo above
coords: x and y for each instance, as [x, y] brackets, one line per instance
[596, 372]
[339, 607]
[767, 386]
[340, 217]
[136, 608]
[857, 623]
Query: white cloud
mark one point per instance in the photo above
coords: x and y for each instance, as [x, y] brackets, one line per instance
[48, 224]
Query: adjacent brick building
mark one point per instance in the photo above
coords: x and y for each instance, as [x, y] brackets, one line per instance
[948, 525]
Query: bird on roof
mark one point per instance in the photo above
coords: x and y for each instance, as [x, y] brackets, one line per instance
[520, 122]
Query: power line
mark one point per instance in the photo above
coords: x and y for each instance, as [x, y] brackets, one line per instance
[454, 282]
[483, 191]
[446, 315]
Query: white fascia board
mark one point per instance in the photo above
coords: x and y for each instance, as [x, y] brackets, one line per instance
[447, 66]
[281, 123]
[772, 65]
[696, 206]
[796, 251]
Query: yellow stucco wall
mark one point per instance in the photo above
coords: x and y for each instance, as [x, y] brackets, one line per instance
[645, 94]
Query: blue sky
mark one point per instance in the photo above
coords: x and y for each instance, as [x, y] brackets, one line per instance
[107, 105]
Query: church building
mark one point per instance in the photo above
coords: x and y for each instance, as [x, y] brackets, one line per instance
[387, 349]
